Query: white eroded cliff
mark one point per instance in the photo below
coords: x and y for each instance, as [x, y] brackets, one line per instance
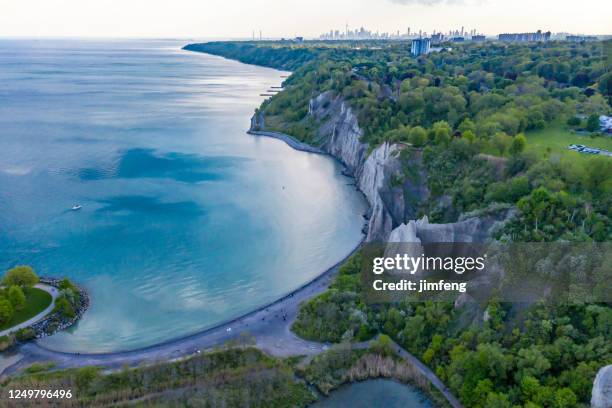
[340, 135]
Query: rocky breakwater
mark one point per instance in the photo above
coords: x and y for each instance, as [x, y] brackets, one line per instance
[57, 320]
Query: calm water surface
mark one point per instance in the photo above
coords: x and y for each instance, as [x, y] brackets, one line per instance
[187, 220]
[375, 393]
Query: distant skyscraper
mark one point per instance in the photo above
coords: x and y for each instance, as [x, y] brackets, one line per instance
[420, 46]
[525, 37]
[436, 38]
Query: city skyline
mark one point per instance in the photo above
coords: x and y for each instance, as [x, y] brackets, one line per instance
[409, 32]
[459, 34]
[239, 19]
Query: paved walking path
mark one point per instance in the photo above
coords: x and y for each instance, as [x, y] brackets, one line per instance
[54, 292]
[426, 371]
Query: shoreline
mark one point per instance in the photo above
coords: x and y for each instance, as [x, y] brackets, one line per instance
[291, 141]
[270, 326]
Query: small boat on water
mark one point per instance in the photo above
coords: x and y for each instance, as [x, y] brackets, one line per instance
[76, 207]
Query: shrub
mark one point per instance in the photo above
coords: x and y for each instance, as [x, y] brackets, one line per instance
[25, 334]
[85, 376]
[508, 191]
[6, 342]
[39, 368]
[67, 284]
[63, 306]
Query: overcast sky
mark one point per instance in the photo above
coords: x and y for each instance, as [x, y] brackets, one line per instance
[285, 18]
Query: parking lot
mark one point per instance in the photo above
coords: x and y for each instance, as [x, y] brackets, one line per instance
[589, 150]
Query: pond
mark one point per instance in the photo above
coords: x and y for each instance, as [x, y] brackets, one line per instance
[375, 393]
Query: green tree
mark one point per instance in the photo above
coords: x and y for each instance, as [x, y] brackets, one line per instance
[16, 297]
[469, 136]
[495, 400]
[467, 126]
[501, 141]
[573, 121]
[6, 311]
[596, 176]
[532, 362]
[84, 376]
[530, 387]
[417, 136]
[442, 132]
[593, 123]
[21, 275]
[384, 345]
[565, 398]
[518, 144]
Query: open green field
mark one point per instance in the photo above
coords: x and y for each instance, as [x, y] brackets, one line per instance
[37, 300]
[557, 139]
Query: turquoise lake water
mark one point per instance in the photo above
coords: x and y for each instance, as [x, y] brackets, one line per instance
[375, 393]
[187, 221]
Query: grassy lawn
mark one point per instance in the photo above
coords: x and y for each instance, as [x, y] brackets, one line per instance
[37, 300]
[557, 138]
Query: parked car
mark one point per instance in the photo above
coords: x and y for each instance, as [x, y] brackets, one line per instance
[589, 150]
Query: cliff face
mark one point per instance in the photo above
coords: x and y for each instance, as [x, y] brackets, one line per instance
[601, 396]
[394, 197]
[471, 230]
[339, 134]
[339, 131]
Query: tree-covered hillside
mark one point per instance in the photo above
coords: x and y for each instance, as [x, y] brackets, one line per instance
[471, 109]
